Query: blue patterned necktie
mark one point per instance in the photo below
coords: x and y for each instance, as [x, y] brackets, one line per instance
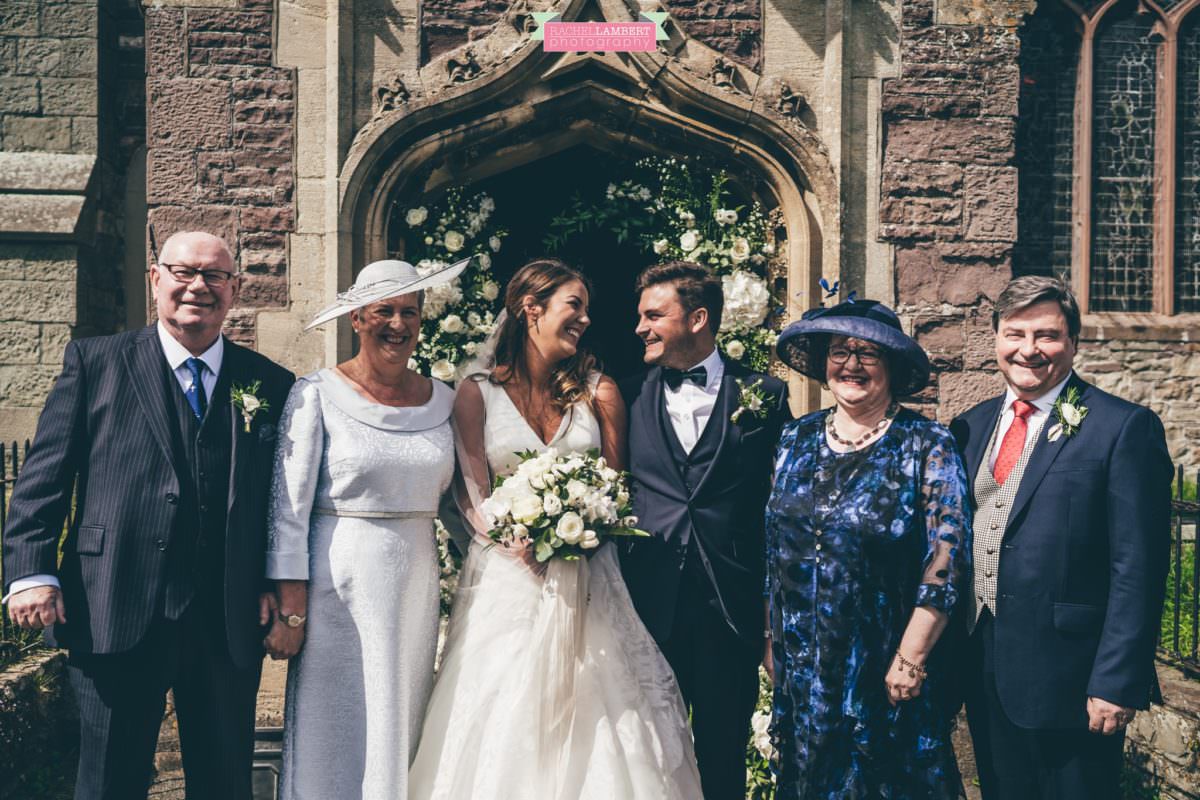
[195, 393]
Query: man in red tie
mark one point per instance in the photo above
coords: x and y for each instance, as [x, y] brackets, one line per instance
[1072, 498]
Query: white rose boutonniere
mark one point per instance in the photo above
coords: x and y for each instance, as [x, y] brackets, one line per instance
[751, 400]
[1069, 414]
[246, 401]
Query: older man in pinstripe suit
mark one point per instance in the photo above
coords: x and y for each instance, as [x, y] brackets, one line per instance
[160, 578]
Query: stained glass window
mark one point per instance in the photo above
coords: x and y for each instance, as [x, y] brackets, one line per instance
[1045, 144]
[1121, 277]
[1187, 191]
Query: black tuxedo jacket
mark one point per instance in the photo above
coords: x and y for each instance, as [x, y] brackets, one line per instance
[723, 513]
[1083, 561]
[107, 424]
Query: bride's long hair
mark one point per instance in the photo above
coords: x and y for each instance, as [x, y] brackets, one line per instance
[541, 278]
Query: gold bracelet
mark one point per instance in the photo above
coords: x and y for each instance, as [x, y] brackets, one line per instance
[914, 670]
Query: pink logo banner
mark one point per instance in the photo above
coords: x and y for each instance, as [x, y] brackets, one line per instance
[625, 37]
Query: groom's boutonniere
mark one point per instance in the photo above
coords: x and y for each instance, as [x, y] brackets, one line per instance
[245, 401]
[1069, 413]
[751, 400]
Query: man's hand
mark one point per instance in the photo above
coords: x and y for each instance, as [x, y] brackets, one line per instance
[283, 642]
[37, 607]
[1107, 718]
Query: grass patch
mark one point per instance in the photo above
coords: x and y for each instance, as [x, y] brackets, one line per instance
[1186, 602]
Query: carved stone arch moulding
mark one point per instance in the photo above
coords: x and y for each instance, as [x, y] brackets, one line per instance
[525, 104]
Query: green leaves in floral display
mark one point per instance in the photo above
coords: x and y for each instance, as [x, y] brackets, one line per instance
[544, 550]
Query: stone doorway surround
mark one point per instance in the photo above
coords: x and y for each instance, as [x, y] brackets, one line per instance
[392, 129]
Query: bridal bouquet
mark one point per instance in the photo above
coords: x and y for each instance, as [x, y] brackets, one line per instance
[562, 504]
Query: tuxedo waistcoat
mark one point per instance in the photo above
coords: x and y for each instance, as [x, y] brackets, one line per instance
[694, 465]
[202, 452]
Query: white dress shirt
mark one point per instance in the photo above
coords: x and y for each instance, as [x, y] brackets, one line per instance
[690, 406]
[1042, 407]
[177, 356]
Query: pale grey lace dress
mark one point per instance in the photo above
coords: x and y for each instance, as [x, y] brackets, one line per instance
[355, 492]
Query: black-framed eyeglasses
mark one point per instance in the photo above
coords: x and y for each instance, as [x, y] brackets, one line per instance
[212, 277]
[867, 358]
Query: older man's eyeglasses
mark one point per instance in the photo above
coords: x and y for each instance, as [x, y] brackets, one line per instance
[867, 358]
[214, 278]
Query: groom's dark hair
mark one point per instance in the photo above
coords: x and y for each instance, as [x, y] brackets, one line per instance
[696, 285]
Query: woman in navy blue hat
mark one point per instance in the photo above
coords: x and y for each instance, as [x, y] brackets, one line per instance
[868, 543]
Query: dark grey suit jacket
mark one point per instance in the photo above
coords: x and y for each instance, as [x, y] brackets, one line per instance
[106, 424]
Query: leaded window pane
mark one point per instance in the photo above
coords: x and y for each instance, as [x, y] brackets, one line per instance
[1123, 165]
[1187, 194]
[1045, 143]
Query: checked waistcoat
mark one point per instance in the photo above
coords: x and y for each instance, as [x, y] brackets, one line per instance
[993, 503]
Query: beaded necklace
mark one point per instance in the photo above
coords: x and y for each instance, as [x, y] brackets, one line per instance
[854, 444]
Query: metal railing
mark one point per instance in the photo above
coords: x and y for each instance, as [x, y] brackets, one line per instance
[1181, 613]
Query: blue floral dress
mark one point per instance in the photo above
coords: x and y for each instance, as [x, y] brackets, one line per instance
[854, 542]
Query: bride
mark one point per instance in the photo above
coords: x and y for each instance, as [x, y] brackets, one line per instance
[550, 687]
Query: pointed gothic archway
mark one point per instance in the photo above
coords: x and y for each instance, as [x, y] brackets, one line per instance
[529, 105]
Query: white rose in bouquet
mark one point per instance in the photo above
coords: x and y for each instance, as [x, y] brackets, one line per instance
[590, 540]
[740, 251]
[490, 290]
[452, 324]
[569, 528]
[551, 503]
[494, 243]
[576, 490]
[725, 216]
[416, 216]
[454, 241]
[526, 508]
[689, 241]
[485, 261]
[442, 369]
[660, 246]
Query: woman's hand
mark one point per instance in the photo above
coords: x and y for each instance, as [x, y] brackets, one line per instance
[903, 680]
[290, 598]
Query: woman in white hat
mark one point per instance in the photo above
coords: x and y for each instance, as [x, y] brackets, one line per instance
[365, 451]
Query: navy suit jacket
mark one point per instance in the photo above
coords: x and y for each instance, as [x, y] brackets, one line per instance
[1083, 561]
[724, 512]
[106, 424]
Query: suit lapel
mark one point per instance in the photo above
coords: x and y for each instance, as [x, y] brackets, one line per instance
[1044, 454]
[729, 434]
[232, 369]
[988, 413]
[145, 361]
[651, 407]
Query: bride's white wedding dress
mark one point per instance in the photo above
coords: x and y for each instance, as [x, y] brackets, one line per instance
[550, 687]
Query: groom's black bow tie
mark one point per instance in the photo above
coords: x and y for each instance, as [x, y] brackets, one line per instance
[676, 377]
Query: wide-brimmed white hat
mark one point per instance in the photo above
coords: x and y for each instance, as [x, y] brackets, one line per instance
[380, 280]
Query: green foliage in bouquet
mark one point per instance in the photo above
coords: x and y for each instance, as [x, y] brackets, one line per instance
[457, 316]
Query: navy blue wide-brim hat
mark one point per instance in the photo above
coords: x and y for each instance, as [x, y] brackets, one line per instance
[803, 345]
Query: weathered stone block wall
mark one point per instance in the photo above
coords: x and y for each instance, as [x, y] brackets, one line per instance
[220, 142]
[48, 71]
[39, 728]
[949, 193]
[734, 27]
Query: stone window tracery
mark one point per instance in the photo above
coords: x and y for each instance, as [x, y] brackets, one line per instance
[1109, 128]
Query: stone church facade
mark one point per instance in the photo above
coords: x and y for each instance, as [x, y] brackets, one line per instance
[918, 151]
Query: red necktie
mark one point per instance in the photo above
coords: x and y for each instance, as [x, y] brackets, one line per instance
[1014, 441]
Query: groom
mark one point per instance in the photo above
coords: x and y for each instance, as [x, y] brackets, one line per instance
[700, 484]
[158, 586]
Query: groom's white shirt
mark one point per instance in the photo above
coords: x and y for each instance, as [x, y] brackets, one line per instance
[691, 405]
[176, 355]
